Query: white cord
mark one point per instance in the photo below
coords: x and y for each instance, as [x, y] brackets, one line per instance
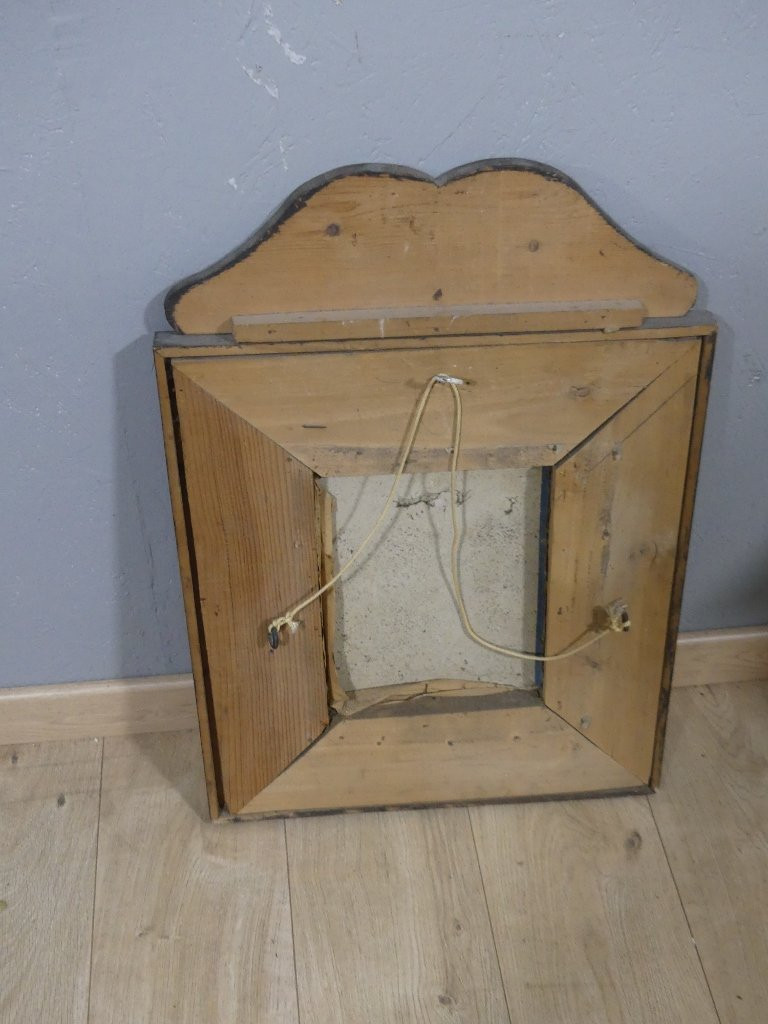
[616, 615]
[288, 619]
[617, 619]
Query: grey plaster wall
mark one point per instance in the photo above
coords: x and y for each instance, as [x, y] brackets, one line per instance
[138, 141]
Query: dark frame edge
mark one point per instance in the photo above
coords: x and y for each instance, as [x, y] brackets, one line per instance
[593, 794]
[698, 423]
[193, 612]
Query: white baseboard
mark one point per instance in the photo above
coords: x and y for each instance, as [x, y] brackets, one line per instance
[120, 707]
[107, 707]
[721, 656]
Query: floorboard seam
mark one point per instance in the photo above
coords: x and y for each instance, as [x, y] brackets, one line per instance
[293, 930]
[95, 878]
[685, 912]
[488, 914]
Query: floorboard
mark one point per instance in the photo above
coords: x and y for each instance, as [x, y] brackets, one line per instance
[390, 921]
[49, 812]
[586, 918]
[712, 813]
[582, 912]
[192, 920]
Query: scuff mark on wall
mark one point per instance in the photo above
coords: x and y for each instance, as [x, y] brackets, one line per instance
[266, 83]
[755, 369]
[248, 23]
[276, 34]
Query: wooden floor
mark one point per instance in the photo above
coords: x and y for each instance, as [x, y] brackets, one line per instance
[119, 904]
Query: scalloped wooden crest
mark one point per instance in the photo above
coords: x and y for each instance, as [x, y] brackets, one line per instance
[380, 236]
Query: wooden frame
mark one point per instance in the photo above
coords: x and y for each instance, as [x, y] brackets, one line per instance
[262, 396]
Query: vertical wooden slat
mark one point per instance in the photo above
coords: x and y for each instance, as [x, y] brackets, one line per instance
[254, 535]
[686, 520]
[192, 920]
[712, 813]
[390, 922]
[49, 809]
[587, 922]
[188, 573]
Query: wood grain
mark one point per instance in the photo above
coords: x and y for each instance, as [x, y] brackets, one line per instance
[693, 461]
[192, 921]
[169, 415]
[615, 519]
[346, 414]
[463, 756]
[49, 807]
[585, 915]
[498, 232]
[390, 922]
[445, 320]
[254, 531]
[172, 346]
[712, 812]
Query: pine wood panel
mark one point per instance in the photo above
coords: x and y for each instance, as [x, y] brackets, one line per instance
[49, 806]
[171, 346]
[495, 232]
[254, 530]
[192, 921]
[347, 413]
[698, 419]
[614, 530]
[585, 916]
[504, 754]
[390, 921]
[712, 812]
[192, 611]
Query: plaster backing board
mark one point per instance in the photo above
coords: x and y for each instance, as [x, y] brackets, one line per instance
[397, 620]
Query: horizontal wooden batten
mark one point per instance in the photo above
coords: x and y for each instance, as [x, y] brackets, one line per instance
[499, 754]
[694, 324]
[122, 707]
[353, 411]
[439, 320]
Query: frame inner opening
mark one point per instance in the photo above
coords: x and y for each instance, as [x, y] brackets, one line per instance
[396, 617]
